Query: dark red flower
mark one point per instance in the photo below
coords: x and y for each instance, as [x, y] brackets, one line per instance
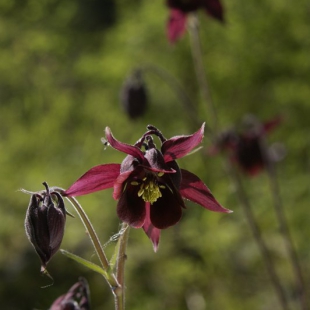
[77, 298]
[247, 148]
[179, 9]
[149, 185]
[45, 223]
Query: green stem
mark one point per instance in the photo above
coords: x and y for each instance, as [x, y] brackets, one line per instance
[172, 82]
[120, 268]
[284, 228]
[94, 239]
[193, 28]
[244, 202]
[246, 207]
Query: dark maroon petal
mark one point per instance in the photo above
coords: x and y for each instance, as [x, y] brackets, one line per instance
[249, 155]
[119, 184]
[56, 225]
[184, 6]
[123, 147]
[152, 232]
[171, 171]
[130, 207]
[176, 25]
[214, 8]
[167, 210]
[95, 179]
[194, 189]
[179, 146]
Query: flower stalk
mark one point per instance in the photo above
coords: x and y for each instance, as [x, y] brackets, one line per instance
[196, 49]
[120, 267]
[189, 107]
[111, 279]
[284, 229]
[193, 28]
[247, 210]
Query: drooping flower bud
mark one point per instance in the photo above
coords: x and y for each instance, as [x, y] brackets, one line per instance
[134, 95]
[45, 223]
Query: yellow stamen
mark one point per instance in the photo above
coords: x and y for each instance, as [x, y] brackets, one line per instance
[150, 191]
[160, 174]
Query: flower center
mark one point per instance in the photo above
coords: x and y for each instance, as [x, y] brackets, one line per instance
[149, 189]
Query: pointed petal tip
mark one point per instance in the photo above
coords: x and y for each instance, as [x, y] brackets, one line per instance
[107, 130]
[155, 247]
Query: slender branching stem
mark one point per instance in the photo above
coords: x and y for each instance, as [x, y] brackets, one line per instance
[189, 107]
[111, 279]
[120, 267]
[193, 28]
[285, 231]
[246, 207]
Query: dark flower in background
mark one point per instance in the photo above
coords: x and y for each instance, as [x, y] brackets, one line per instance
[77, 298]
[179, 9]
[134, 95]
[45, 223]
[248, 148]
[149, 185]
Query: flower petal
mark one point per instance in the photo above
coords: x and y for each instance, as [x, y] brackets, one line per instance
[130, 207]
[119, 184]
[179, 146]
[194, 189]
[176, 25]
[167, 210]
[214, 8]
[152, 232]
[96, 179]
[123, 147]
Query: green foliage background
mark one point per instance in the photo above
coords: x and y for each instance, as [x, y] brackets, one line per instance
[62, 64]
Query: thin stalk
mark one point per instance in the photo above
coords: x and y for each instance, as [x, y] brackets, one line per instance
[188, 105]
[193, 28]
[244, 202]
[94, 239]
[246, 207]
[285, 232]
[120, 268]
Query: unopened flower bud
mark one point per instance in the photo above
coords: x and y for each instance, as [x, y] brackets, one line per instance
[45, 223]
[134, 95]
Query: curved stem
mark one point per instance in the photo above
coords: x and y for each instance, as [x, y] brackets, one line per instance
[193, 28]
[246, 207]
[172, 82]
[94, 239]
[120, 267]
[285, 232]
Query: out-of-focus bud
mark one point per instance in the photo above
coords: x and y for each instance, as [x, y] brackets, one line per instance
[45, 223]
[134, 95]
[77, 298]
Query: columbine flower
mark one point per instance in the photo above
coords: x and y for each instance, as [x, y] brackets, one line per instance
[45, 223]
[134, 95]
[149, 185]
[247, 148]
[77, 298]
[179, 9]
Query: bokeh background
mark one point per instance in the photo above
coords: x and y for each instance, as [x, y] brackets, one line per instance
[62, 66]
